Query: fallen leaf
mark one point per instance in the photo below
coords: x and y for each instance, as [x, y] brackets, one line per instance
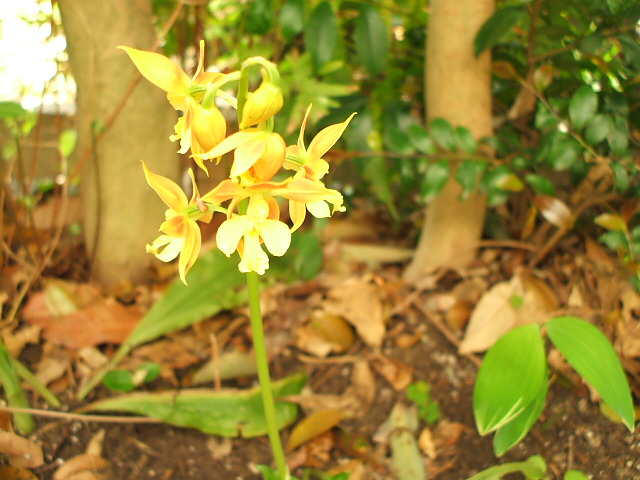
[555, 211]
[363, 385]
[448, 433]
[220, 448]
[521, 300]
[91, 467]
[315, 424]
[16, 341]
[405, 454]
[398, 374]
[19, 451]
[9, 472]
[358, 300]
[426, 443]
[334, 329]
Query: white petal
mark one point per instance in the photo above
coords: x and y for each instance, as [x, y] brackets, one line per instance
[254, 259]
[172, 247]
[319, 209]
[230, 233]
[276, 236]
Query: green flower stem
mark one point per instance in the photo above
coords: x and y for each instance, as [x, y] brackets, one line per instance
[264, 376]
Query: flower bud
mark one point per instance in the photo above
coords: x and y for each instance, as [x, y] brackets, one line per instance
[262, 104]
[271, 159]
[208, 126]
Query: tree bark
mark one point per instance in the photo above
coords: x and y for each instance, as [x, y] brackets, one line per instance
[458, 89]
[121, 213]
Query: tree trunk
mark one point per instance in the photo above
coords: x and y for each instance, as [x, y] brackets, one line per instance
[121, 213]
[458, 89]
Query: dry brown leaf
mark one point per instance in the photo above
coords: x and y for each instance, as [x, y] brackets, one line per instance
[398, 374]
[16, 341]
[334, 329]
[628, 327]
[220, 447]
[52, 367]
[309, 340]
[324, 401]
[555, 211]
[316, 453]
[363, 385]
[314, 425]
[9, 472]
[521, 300]
[19, 451]
[358, 300]
[448, 433]
[84, 465]
[426, 444]
[375, 255]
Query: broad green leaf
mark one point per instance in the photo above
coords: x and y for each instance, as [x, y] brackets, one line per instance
[592, 356]
[510, 378]
[259, 17]
[618, 138]
[511, 433]
[465, 140]
[67, 142]
[119, 381]
[291, 18]
[563, 152]
[434, 180]
[443, 134]
[541, 185]
[321, 37]
[631, 49]
[468, 174]
[620, 175]
[371, 39]
[533, 468]
[228, 413]
[582, 106]
[303, 260]
[11, 110]
[598, 128]
[421, 139]
[376, 171]
[398, 141]
[492, 31]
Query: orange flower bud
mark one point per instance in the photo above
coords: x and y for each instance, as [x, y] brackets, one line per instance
[271, 159]
[262, 104]
[209, 126]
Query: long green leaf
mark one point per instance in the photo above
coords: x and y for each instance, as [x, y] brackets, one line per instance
[533, 468]
[226, 413]
[582, 106]
[13, 390]
[510, 378]
[592, 356]
[321, 37]
[496, 27]
[371, 41]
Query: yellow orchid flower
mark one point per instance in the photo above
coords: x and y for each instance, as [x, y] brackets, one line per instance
[257, 150]
[299, 158]
[181, 232]
[246, 232]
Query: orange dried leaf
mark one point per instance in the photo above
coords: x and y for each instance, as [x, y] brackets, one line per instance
[315, 424]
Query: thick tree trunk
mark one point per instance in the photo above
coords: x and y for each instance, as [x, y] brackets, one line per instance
[121, 212]
[458, 88]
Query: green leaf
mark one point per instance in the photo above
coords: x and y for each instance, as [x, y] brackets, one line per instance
[582, 106]
[67, 142]
[492, 31]
[511, 433]
[619, 6]
[371, 41]
[259, 17]
[541, 185]
[303, 260]
[421, 139]
[510, 378]
[434, 180]
[376, 171]
[598, 128]
[443, 134]
[631, 50]
[618, 138]
[563, 152]
[228, 413]
[321, 38]
[533, 468]
[620, 175]
[398, 141]
[119, 381]
[468, 174]
[11, 110]
[592, 356]
[465, 140]
[291, 18]
[13, 391]
[269, 473]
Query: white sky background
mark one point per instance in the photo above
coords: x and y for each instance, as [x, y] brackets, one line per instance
[28, 58]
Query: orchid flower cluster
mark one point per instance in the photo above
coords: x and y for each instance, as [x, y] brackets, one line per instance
[249, 197]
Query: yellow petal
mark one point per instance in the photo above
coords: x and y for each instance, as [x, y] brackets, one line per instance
[190, 249]
[231, 231]
[170, 193]
[327, 138]
[319, 209]
[302, 128]
[172, 247]
[232, 142]
[159, 70]
[297, 212]
[246, 155]
[226, 190]
[254, 259]
[276, 236]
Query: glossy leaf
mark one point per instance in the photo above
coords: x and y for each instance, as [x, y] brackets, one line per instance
[321, 37]
[435, 178]
[398, 141]
[371, 39]
[510, 434]
[495, 28]
[228, 413]
[598, 128]
[510, 378]
[541, 185]
[582, 106]
[563, 152]
[421, 139]
[592, 356]
[465, 140]
[291, 18]
[618, 138]
[443, 134]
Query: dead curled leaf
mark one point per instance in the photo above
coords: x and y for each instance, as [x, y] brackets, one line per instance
[358, 300]
[20, 451]
[397, 373]
[85, 466]
[9, 472]
[314, 425]
[521, 300]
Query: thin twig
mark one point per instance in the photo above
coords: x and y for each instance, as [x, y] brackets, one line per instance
[79, 416]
